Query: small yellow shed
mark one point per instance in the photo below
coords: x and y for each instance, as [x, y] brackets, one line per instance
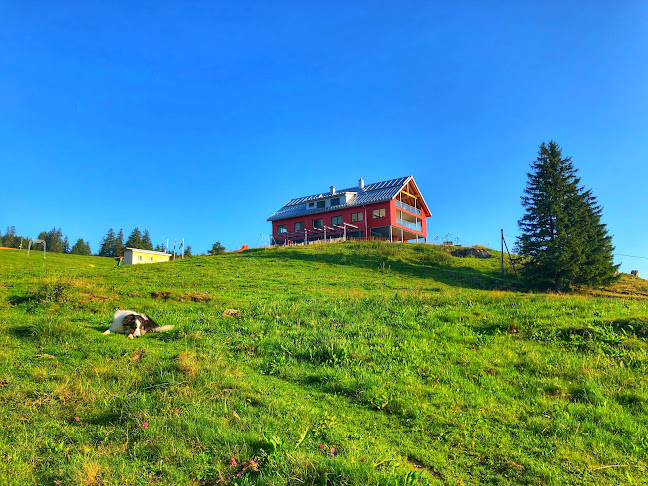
[134, 256]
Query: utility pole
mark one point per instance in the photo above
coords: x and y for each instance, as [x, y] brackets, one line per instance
[502, 261]
[510, 258]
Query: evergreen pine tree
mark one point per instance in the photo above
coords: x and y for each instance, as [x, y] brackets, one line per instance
[563, 242]
[87, 248]
[146, 241]
[10, 237]
[135, 239]
[66, 245]
[79, 248]
[217, 249]
[599, 268]
[107, 244]
[187, 252]
[118, 248]
[54, 240]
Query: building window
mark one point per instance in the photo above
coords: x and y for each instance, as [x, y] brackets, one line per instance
[311, 205]
[335, 201]
[150, 259]
[139, 258]
[379, 213]
[318, 223]
[299, 226]
[336, 220]
[355, 217]
[321, 204]
[282, 228]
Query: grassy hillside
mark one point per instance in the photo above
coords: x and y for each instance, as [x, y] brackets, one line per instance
[354, 363]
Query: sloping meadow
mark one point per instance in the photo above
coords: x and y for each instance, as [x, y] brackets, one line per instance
[356, 363]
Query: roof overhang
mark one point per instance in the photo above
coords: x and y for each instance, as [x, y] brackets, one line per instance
[424, 205]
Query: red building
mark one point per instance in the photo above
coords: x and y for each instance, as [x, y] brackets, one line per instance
[392, 210]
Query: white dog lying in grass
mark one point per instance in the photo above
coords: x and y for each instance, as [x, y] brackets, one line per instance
[134, 324]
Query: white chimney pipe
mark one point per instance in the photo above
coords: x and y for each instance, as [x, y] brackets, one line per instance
[332, 189]
[361, 183]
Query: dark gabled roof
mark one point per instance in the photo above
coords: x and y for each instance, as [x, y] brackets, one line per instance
[372, 193]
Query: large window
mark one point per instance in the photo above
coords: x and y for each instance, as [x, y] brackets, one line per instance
[282, 228]
[318, 223]
[336, 220]
[299, 226]
[335, 201]
[321, 204]
[379, 213]
[355, 217]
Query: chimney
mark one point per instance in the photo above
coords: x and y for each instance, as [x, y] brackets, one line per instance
[332, 189]
[360, 183]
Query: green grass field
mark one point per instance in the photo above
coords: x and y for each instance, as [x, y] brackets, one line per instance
[353, 363]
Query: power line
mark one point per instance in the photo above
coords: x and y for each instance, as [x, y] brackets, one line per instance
[616, 254]
[632, 256]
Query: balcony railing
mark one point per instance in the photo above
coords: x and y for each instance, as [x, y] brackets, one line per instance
[407, 207]
[407, 224]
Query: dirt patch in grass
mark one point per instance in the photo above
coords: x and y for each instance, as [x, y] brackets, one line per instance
[181, 297]
[162, 294]
[197, 297]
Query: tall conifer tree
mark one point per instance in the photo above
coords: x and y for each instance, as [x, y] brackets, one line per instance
[9, 237]
[118, 248]
[147, 244]
[54, 240]
[107, 244]
[81, 248]
[135, 239]
[563, 242]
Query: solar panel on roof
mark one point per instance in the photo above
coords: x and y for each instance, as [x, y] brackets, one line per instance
[372, 193]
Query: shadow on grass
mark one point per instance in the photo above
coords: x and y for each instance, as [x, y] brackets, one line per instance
[21, 299]
[586, 336]
[465, 277]
[636, 326]
[22, 332]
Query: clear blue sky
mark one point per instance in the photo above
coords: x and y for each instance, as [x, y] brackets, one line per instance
[200, 119]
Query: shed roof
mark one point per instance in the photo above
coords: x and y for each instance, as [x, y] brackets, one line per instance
[147, 251]
[371, 193]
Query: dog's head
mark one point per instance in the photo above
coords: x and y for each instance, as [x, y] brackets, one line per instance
[148, 325]
[138, 324]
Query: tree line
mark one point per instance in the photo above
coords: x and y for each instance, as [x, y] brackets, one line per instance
[54, 240]
[112, 245]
